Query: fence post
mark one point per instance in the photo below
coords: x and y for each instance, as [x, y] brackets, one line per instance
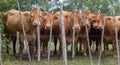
[0, 47]
[99, 59]
[49, 43]
[116, 34]
[73, 44]
[17, 40]
[38, 33]
[25, 38]
[63, 35]
[87, 37]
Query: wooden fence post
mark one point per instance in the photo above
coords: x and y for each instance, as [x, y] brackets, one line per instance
[73, 44]
[49, 43]
[99, 59]
[38, 34]
[87, 37]
[17, 40]
[25, 38]
[63, 35]
[0, 47]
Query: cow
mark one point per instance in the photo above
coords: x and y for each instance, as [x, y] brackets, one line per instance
[69, 26]
[109, 33]
[56, 27]
[45, 24]
[96, 29]
[13, 24]
[83, 35]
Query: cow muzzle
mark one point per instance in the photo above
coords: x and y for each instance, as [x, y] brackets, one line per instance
[96, 27]
[36, 23]
[76, 27]
[47, 26]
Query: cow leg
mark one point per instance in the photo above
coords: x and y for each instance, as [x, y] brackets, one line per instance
[7, 48]
[36, 50]
[76, 46]
[21, 47]
[31, 50]
[85, 48]
[14, 46]
[60, 48]
[114, 48]
[97, 44]
[45, 48]
[55, 45]
[105, 49]
[7, 44]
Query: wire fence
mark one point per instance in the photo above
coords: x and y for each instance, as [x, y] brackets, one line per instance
[64, 48]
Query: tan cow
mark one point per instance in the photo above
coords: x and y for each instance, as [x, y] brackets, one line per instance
[13, 24]
[109, 35]
[45, 24]
[83, 35]
[69, 25]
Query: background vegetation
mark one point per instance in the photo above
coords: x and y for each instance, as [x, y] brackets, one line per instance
[103, 6]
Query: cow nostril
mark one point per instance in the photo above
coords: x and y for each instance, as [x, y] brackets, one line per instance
[77, 27]
[47, 26]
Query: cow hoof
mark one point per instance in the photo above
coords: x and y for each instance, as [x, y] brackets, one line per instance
[85, 54]
[35, 56]
[55, 53]
[115, 56]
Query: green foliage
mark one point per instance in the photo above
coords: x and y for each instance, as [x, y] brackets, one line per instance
[6, 5]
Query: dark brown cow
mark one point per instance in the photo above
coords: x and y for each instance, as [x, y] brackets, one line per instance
[96, 29]
[13, 24]
[109, 35]
[45, 24]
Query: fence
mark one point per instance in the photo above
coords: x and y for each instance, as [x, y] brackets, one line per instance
[64, 48]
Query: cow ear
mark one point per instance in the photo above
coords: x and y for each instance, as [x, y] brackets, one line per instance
[108, 18]
[55, 17]
[87, 12]
[26, 14]
[96, 13]
[44, 14]
[101, 16]
[118, 19]
[4, 17]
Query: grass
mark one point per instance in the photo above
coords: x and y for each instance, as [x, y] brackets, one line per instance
[79, 59]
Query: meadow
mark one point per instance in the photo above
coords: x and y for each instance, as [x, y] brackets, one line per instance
[54, 60]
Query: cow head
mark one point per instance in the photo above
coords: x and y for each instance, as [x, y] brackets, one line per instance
[78, 22]
[87, 18]
[35, 15]
[44, 18]
[97, 20]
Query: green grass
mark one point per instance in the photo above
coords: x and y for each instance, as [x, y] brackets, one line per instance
[79, 59]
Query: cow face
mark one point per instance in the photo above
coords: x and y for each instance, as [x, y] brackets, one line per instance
[78, 22]
[47, 19]
[87, 18]
[97, 20]
[35, 16]
[43, 18]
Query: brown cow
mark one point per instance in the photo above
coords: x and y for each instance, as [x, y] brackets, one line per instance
[82, 36]
[109, 33]
[13, 24]
[56, 27]
[45, 24]
[69, 25]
